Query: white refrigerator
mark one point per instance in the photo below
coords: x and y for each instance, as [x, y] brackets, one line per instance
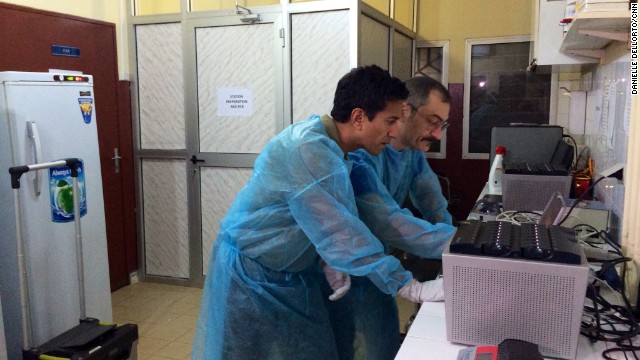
[46, 117]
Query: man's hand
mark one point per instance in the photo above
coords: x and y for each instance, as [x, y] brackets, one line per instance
[420, 292]
[340, 283]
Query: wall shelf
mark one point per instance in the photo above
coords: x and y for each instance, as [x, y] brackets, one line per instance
[590, 32]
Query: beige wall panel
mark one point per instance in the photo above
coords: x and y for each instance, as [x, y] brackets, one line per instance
[458, 20]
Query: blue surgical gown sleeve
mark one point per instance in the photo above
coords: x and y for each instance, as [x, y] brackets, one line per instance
[395, 226]
[407, 174]
[380, 184]
[326, 212]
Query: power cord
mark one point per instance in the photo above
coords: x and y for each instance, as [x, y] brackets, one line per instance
[574, 165]
[518, 217]
[606, 322]
[604, 236]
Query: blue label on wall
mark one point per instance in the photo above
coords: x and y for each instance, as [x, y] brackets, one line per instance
[61, 193]
[61, 50]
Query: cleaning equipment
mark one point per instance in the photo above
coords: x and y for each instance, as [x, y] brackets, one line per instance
[495, 174]
[90, 339]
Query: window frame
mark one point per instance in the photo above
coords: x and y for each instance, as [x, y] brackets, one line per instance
[469, 43]
[444, 44]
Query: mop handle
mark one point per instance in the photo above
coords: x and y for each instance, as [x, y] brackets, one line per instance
[16, 173]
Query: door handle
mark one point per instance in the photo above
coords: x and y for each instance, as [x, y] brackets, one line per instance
[32, 133]
[195, 160]
[116, 159]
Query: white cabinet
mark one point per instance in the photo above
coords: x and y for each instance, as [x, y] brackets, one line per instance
[586, 38]
[548, 36]
[591, 32]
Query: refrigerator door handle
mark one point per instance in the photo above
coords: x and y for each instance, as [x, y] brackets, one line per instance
[32, 133]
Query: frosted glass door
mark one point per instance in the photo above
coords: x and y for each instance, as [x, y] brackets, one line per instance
[236, 87]
[239, 102]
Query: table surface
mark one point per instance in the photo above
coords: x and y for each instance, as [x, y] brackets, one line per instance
[428, 337]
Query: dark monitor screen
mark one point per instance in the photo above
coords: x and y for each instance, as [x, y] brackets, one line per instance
[533, 144]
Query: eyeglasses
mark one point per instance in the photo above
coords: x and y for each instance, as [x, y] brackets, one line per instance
[432, 120]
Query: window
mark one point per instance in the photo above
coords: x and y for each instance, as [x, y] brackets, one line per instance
[432, 59]
[500, 88]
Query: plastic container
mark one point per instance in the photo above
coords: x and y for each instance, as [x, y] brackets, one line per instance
[495, 174]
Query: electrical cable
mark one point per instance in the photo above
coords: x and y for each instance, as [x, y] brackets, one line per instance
[604, 235]
[574, 165]
[607, 322]
[518, 217]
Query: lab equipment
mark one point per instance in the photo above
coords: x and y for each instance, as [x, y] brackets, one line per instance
[489, 299]
[527, 241]
[526, 143]
[531, 192]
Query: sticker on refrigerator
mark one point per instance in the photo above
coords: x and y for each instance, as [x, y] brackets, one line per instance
[61, 193]
[86, 107]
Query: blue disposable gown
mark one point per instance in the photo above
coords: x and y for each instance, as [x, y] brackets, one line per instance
[261, 298]
[383, 182]
[407, 173]
[365, 321]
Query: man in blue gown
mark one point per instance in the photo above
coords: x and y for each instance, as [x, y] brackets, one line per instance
[262, 298]
[365, 321]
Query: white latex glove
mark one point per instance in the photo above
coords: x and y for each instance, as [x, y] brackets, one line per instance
[340, 282]
[420, 292]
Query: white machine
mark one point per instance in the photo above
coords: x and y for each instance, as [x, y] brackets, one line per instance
[490, 299]
[46, 117]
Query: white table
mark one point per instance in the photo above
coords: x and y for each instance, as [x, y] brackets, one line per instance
[427, 339]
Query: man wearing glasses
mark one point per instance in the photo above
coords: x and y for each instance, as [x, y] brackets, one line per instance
[365, 321]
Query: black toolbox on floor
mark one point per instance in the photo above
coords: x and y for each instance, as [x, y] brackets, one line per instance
[89, 340]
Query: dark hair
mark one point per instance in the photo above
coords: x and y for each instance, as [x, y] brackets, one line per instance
[369, 88]
[420, 87]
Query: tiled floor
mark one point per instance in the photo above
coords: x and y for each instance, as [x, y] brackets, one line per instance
[166, 317]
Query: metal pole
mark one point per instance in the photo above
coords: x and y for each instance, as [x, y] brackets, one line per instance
[79, 257]
[27, 335]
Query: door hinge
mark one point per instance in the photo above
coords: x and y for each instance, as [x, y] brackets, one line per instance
[282, 36]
